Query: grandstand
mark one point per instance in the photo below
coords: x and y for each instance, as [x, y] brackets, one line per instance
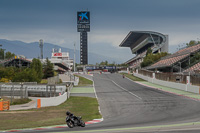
[17, 61]
[176, 62]
[140, 41]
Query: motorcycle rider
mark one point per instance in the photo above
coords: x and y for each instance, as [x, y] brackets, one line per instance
[71, 115]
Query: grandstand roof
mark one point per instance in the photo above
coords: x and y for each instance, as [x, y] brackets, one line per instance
[176, 57]
[193, 68]
[135, 38]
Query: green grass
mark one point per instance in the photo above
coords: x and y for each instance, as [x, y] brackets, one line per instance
[80, 106]
[84, 82]
[17, 101]
[132, 77]
[44, 81]
[20, 101]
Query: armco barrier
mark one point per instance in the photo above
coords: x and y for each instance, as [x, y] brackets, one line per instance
[51, 101]
[4, 105]
[185, 87]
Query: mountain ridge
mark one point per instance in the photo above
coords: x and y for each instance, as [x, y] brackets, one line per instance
[32, 50]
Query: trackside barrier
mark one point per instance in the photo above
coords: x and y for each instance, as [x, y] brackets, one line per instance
[4, 105]
[38, 103]
[51, 101]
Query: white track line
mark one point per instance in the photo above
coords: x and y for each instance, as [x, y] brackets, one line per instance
[127, 90]
[97, 100]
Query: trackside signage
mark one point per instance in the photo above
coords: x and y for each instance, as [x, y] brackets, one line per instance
[57, 54]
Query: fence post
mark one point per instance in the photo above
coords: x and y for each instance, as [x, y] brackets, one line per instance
[46, 90]
[188, 80]
[0, 91]
[21, 90]
[11, 95]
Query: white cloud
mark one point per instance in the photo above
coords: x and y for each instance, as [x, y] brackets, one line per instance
[181, 38]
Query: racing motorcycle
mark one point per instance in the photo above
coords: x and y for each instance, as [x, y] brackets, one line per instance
[73, 121]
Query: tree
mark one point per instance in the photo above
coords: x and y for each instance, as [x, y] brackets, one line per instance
[37, 66]
[48, 69]
[191, 43]
[1, 53]
[152, 58]
[149, 51]
[26, 75]
[9, 55]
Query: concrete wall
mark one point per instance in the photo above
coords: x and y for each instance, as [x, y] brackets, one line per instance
[185, 87]
[53, 101]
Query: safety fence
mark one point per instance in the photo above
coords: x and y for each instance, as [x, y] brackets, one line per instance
[4, 105]
[195, 80]
[171, 77]
[145, 73]
[24, 90]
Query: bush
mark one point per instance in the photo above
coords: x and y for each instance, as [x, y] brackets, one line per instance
[5, 80]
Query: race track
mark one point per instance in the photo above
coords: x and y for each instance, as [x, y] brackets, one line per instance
[126, 105]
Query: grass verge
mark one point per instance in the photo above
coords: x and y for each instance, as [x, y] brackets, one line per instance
[17, 101]
[83, 81]
[132, 77]
[81, 106]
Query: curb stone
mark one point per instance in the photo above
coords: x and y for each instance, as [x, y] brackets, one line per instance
[56, 126]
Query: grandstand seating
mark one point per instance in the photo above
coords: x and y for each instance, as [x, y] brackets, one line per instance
[176, 57]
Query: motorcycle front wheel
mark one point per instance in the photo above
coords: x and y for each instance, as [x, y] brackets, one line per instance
[70, 124]
[82, 123]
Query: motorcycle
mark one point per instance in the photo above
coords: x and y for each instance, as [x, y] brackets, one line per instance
[73, 121]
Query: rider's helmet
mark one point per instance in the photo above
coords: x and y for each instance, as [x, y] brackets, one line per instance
[68, 113]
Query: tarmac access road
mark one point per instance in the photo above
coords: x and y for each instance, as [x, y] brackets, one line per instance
[130, 107]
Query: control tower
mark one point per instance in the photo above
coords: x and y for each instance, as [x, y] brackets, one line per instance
[83, 26]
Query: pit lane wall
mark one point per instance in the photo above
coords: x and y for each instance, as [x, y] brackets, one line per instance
[185, 87]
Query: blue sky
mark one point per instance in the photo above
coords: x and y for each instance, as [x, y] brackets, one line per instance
[111, 20]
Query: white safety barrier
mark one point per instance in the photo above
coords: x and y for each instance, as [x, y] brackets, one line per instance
[53, 101]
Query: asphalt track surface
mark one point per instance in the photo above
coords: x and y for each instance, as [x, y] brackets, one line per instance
[126, 105]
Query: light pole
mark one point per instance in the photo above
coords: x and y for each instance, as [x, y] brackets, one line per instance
[74, 57]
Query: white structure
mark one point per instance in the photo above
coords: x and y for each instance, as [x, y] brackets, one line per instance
[61, 60]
